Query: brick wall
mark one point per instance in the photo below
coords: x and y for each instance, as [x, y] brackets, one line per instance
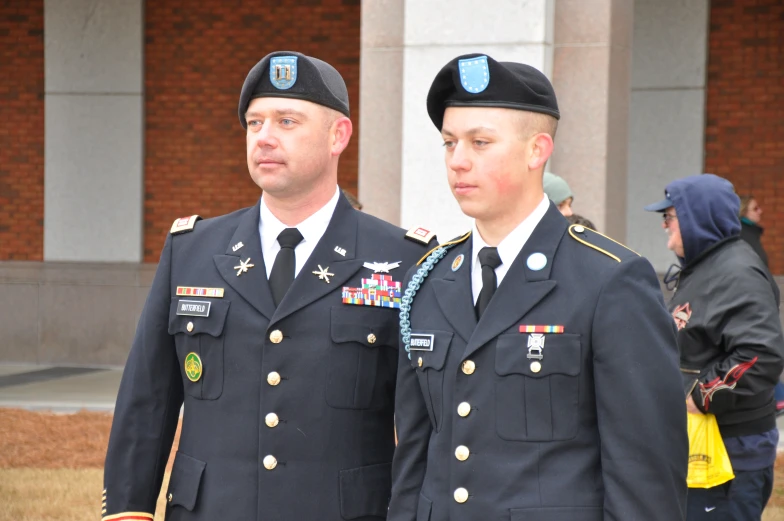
[22, 130]
[744, 135]
[196, 57]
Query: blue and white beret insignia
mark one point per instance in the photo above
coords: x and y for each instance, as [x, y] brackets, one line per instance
[283, 72]
[474, 74]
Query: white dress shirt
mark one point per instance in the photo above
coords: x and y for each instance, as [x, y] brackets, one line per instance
[312, 229]
[508, 249]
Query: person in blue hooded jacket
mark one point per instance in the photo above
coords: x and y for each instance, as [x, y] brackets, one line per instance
[725, 306]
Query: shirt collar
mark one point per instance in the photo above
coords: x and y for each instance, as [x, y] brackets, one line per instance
[312, 228]
[511, 245]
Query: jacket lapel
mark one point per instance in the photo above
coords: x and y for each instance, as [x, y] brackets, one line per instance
[307, 286]
[252, 285]
[522, 287]
[454, 295]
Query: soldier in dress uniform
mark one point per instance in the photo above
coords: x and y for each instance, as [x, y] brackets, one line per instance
[539, 379]
[276, 327]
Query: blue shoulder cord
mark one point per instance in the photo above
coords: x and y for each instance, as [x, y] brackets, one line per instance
[413, 286]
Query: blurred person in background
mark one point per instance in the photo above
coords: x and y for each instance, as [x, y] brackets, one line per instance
[729, 333]
[751, 232]
[750, 229]
[353, 201]
[557, 190]
[580, 221]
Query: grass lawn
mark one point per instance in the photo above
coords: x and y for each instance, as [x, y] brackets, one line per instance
[51, 468]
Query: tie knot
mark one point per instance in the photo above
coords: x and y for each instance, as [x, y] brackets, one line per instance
[289, 238]
[489, 257]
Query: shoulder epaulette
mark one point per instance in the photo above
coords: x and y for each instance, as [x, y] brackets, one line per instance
[184, 224]
[456, 240]
[420, 235]
[600, 242]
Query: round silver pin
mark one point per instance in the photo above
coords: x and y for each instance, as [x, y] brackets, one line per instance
[579, 229]
[536, 261]
[458, 262]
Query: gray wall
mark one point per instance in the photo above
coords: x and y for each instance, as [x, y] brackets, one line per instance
[70, 313]
[93, 157]
[666, 128]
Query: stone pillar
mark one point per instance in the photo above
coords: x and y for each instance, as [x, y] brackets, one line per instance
[591, 78]
[381, 107]
[667, 123]
[93, 165]
[402, 176]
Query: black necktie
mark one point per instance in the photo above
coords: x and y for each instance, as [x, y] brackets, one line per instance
[489, 259]
[282, 274]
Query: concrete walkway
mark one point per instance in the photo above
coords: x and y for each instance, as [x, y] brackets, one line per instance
[58, 389]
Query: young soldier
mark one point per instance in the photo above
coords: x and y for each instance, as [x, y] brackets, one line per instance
[539, 380]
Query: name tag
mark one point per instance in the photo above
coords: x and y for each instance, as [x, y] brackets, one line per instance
[422, 342]
[194, 308]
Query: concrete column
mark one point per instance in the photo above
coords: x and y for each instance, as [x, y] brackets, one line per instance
[667, 124]
[93, 165]
[404, 44]
[591, 79]
[381, 107]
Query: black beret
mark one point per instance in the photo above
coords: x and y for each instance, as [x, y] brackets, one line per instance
[477, 80]
[285, 74]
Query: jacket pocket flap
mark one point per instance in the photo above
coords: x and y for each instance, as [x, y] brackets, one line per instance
[557, 514]
[365, 491]
[185, 480]
[424, 508]
[560, 354]
[212, 324]
[435, 347]
[370, 327]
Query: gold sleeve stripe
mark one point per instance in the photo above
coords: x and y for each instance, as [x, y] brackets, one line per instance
[129, 516]
[448, 243]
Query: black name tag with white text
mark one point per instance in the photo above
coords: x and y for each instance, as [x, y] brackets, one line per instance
[194, 308]
[422, 342]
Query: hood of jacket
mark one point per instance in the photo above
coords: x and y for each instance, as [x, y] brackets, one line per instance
[707, 208]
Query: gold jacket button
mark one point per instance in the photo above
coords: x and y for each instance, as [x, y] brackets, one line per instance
[420, 362]
[169, 498]
[189, 327]
[276, 336]
[371, 338]
[462, 452]
[464, 409]
[461, 495]
[273, 378]
[271, 420]
[469, 367]
[536, 367]
[270, 462]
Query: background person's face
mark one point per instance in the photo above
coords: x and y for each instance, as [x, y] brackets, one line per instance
[287, 144]
[754, 211]
[673, 229]
[566, 207]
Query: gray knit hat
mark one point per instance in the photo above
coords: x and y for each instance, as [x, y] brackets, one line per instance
[556, 188]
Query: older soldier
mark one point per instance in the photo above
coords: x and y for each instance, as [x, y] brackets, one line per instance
[539, 380]
[277, 327]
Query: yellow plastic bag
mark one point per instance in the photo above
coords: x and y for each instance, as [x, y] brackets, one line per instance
[709, 464]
